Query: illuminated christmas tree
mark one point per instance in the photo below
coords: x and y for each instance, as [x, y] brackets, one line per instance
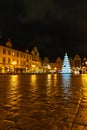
[66, 65]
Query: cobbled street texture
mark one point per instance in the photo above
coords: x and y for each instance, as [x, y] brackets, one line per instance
[43, 102]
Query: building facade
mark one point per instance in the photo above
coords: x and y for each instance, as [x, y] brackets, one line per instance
[15, 61]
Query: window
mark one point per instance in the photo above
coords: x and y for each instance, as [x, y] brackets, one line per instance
[24, 55]
[30, 57]
[3, 60]
[24, 62]
[17, 62]
[13, 53]
[9, 52]
[20, 62]
[17, 54]
[21, 55]
[27, 56]
[4, 51]
[8, 60]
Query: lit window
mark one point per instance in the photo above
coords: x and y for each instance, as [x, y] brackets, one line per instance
[13, 53]
[14, 62]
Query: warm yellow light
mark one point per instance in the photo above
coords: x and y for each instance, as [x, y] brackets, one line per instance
[86, 62]
[55, 68]
[13, 53]
[83, 67]
[13, 90]
[33, 65]
[76, 72]
[49, 67]
[8, 69]
[33, 84]
[26, 68]
[14, 63]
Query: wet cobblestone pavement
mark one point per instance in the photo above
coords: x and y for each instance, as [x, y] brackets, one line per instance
[43, 102]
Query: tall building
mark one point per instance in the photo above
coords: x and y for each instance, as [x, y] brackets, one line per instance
[36, 61]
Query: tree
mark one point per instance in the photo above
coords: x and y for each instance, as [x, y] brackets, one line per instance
[66, 65]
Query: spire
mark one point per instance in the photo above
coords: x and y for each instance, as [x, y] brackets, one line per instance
[27, 51]
[8, 43]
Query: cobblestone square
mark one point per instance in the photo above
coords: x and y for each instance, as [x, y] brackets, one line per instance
[43, 102]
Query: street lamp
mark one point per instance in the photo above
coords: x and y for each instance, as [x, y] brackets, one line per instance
[86, 62]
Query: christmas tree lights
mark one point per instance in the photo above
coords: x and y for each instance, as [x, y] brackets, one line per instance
[66, 65]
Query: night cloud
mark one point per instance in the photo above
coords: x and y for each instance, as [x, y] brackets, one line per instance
[37, 10]
[57, 22]
[53, 10]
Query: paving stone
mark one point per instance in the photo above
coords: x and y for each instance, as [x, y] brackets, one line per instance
[71, 110]
[13, 129]
[61, 125]
[26, 123]
[13, 117]
[6, 124]
[78, 127]
[47, 122]
[37, 128]
[81, 120]
[43, 106]
[37, 114]
[83, 105]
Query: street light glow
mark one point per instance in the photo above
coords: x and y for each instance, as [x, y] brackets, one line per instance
[14, 63]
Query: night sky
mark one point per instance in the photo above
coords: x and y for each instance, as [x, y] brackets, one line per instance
[54, 26]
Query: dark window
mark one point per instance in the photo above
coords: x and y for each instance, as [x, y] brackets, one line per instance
[9, 52]
[24, 55]
[8, 60]
[4, 51]
[17, 54]
[24, 62]
[3, 60]
[21, 55]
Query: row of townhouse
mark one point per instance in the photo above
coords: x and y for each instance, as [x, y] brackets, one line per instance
[77, 64]
[15, 61]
